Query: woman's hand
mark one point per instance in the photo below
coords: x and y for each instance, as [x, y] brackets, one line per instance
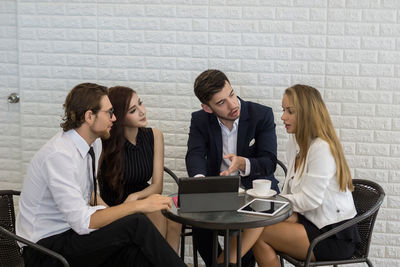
[132, 197]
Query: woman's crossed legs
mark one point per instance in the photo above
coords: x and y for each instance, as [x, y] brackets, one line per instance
[289, 237]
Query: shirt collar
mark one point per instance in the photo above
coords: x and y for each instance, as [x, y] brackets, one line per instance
[79, 142]
[235, 124]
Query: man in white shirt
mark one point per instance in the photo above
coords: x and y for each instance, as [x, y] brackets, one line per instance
[228, 136]
[59, 207]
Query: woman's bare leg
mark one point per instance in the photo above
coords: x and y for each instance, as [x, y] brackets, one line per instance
[265, 255]
[288, 237]
[249, 237]
[169, 230]
[159, 221]
[173, 234]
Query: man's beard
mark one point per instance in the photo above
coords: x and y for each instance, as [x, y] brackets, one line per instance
[104, 134]
[227, 118]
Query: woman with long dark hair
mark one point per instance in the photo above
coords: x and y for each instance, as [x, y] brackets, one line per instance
[133, 156]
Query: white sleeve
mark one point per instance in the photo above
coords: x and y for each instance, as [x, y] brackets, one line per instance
[319, 170]
[247, 169]
[63, 180]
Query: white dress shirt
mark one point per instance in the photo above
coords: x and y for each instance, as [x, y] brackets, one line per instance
[57, 188]
[316, 193]
[229, 146]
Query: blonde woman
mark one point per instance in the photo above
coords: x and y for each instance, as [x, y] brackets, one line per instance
[318, 185]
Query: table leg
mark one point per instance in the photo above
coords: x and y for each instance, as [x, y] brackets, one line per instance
[215, 247]
[226, 248]
[239, 249]
[195, 250]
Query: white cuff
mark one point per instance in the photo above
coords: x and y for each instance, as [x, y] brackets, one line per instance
[247, 170]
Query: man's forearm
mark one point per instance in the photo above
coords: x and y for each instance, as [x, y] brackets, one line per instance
[106, 216]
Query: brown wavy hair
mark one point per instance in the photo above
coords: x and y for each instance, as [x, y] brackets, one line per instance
[208, 83]
[83, 97]
[312, 121]
[112, 170]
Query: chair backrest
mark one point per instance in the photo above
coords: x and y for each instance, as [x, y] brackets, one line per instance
[368, 197]
[282, 165]
[278, 173]
[9, 250]
[172, 174]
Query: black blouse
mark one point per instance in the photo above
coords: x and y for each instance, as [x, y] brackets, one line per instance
[138, 160]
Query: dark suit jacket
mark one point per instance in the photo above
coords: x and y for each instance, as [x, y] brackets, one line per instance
[204, 155]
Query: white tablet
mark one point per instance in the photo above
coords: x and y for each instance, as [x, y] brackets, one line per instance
[266, 207]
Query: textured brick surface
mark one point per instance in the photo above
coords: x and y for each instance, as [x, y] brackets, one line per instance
[348, 49]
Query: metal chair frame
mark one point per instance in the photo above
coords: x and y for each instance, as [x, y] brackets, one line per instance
[280, 163]
[365, 219]
[10, 253]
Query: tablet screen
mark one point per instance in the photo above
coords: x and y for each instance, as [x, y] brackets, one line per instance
[263, 207]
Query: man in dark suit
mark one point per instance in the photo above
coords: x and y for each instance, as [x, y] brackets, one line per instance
[228, 136]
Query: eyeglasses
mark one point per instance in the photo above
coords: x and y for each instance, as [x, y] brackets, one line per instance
[110, 112]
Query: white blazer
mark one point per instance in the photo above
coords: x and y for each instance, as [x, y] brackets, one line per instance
[316, 193]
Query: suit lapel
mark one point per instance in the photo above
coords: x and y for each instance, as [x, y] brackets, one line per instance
[217, 136]
[243, 126]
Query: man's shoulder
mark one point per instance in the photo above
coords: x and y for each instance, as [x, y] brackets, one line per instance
[200, 115]
[256, 106]
[59, 143]
[256, 111]
[51, 149]
[199, 112]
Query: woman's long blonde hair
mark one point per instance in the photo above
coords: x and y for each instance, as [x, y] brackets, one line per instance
[312, 121]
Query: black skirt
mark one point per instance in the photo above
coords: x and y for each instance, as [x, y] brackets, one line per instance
[336, 247]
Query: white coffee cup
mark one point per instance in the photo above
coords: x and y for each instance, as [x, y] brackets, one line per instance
[261, 186]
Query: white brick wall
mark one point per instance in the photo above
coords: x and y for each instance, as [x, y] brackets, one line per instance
[10, 141]
[349, 49]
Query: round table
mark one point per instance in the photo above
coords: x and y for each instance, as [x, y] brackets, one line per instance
[228, 221]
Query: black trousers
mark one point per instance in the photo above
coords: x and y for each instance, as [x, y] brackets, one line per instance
[129, 241]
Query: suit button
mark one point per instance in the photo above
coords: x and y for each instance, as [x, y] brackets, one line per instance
[338, 211]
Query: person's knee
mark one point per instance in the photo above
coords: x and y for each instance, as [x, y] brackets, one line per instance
[140, 217]
[261, 246]
[130, 222]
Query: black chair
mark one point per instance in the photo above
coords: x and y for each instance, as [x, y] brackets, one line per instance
[280, 163]
[10, 253]
[184, 234]
[368, 197]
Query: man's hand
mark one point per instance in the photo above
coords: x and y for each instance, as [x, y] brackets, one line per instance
[237, 163]
[154, 203]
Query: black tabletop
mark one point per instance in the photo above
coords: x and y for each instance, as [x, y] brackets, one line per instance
[232, 220]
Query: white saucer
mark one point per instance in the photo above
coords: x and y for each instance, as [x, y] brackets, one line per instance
[252, 193]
